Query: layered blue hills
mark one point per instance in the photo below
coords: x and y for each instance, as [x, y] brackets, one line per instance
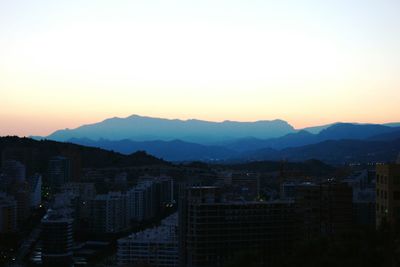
[187, 140]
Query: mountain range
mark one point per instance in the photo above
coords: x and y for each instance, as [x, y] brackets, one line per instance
[188, 140]
[139, 128]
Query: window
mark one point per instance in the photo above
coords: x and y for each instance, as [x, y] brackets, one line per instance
[396, 195]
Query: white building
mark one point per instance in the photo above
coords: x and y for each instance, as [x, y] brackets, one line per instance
[113, 212]
[109, 213]
[142, 201]
[35, 184]
[157, 247]
[135, 204]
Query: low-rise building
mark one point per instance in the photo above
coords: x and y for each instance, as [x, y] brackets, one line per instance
[156, 247]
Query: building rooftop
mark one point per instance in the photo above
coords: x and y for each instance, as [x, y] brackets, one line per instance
[246, 202]
[161, 234]
[165, 233]
[204, 187]
[58, 215]
[298, 183]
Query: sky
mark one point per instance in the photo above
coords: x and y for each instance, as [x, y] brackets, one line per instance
[68, 63]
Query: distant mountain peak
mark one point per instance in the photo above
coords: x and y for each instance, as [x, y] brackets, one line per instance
[133, 116]
[141, 128]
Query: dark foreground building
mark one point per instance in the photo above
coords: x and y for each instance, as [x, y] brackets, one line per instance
[57, 239]
[213, 231]
[326, 209]
[388, 194]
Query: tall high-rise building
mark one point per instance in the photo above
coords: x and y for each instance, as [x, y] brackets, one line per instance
[22, 194]
[141, 201]
[57, 236]
[82, 193]
[58, 171]
[364, 204]
[387, 193]
[326, 209]
[113, 212]
[35, 185]
[149, 197]
[212, 230]
[13, 172]
[8, 214]
[164, 191]
[109, 213]
[16, 185]
[75, 163]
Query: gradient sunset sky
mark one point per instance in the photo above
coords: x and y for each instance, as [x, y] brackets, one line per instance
[67, 63]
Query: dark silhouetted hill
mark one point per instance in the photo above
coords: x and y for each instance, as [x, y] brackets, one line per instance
[300, 138]
[337, 131]
[37, 153]
[334, 151]
[353, 131]
[386, 136]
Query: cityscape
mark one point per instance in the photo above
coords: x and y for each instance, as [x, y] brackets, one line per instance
[200, 133]
[69, 205]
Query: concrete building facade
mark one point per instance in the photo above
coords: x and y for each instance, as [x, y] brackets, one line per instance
[213, 230]
[387, 193]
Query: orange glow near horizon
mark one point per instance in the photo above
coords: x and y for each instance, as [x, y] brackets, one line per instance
[33, 126]
[310, 63]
